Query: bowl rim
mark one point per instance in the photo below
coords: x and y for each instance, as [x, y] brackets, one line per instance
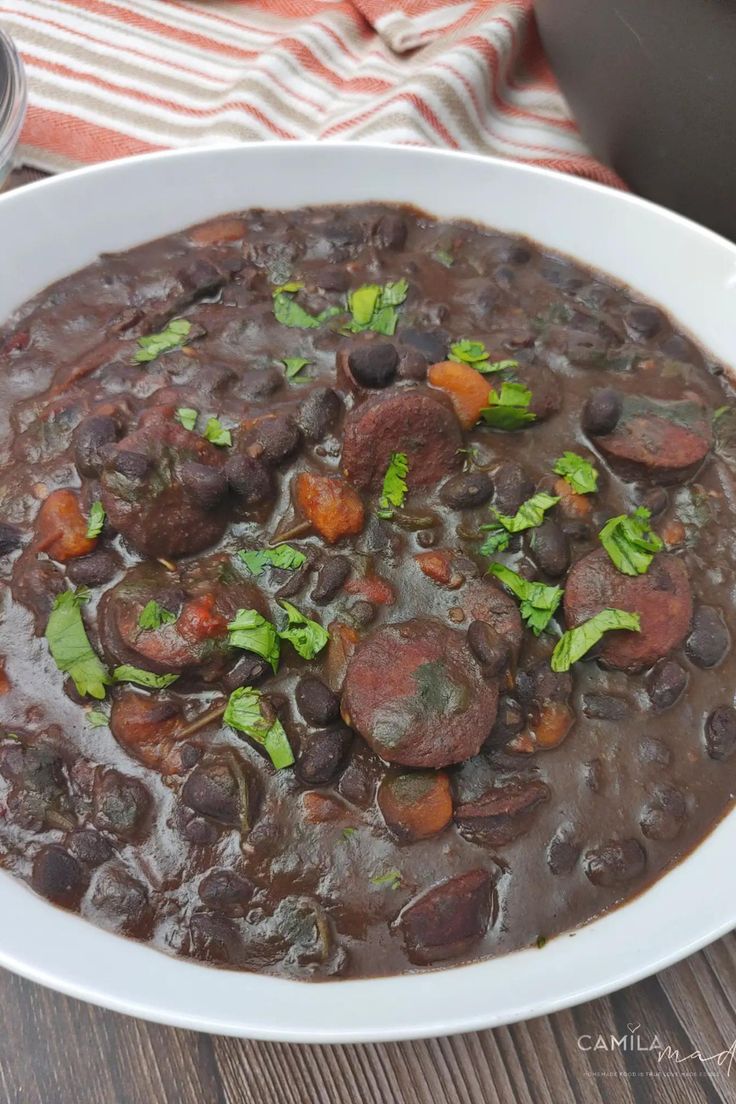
[69, 954]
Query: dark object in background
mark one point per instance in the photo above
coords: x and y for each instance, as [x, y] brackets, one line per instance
[652, 84]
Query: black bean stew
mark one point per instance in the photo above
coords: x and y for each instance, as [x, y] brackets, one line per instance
[367, 593]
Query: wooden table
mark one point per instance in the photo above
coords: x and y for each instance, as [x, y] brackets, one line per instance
[54, 1050]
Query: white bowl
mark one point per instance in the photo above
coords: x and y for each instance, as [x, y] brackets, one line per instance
[52, 228]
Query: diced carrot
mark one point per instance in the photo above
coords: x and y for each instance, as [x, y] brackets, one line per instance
[343, 642]
[552, 725]
[572, 505]
[61, 527]
[467, 389]
[321, 808]
[373, 589]
[437, 566]
[4, 680]
[417, 804]
[673, 533]
[331, 505]
[198, 620]
[213, 233]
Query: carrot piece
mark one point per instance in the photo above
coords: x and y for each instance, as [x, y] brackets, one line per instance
[437, 566]
[552, 725]
[61, 528]
[321, 808]
[468, 389]
[214, 233]
[416, 804]
[334, 509]
[572, 505]
[372, 588]
[343, 642]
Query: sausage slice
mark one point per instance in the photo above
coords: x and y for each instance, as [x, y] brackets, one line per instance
[416, 694]
[413, 420]
[663, 440]
[662, 597]
[449, 918]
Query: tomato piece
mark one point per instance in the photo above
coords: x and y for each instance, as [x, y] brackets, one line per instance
[373, 589]
[468, 389]
[61, 527]
[330, 504]
[200, 621]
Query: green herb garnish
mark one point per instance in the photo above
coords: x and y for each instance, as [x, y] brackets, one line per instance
[444, 257]
[348, 833]
[374, 307]
[579, 472]
[294, 365]
[630, 542]
[573, 644]
[216, 434]
[394, 488]
[283, 556]
[305, 636]
[96, 520]
[173, 337]
[391, 879]
[187, 417]
[244, 714]
[289, 313]
[476, 354]
[529, 515]
[126, 673]
[252, 632]
[70, 647]
[95, 719]
[508, 409]
[538, 602]
[154, 616]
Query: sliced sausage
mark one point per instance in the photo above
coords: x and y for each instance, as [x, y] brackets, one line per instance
[412, 420]
[503, 813]
[146, 726]
[446, 920]
[416, 694]
[662, 598]
[663, 440]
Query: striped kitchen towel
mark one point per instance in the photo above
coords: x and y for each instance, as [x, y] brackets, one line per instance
[114, 77]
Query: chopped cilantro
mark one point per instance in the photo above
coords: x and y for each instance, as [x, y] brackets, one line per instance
[96, 520]
[154, 616]
[252, 632]
[283, 556]
[96, 719]
[579, 472]
[217, 434]
[529, 515]
[137, 675]
[444, 257]
[173, 337]
[244, 713]
[305, 636]
[290, 313]
[374, 307]
[70, 647]
[391, 879]
[538, 602]
[187, 417]
[630, 542]
[573, 644]
[509, 408]
[294, 365]
[394, 488]
[476, 354]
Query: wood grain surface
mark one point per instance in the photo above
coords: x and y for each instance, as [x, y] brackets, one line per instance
[676, 1044]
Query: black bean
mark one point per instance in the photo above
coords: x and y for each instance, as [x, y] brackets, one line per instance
[662, 818]
[259, 383]
[200, 831]
[317, 703]
[602, 411]
[275, 439]
[330, 278]
[318, 412]
[594, 775]
[432, 344]
[58, 876]
[427, 538]
[90, 847]
[226, 892]
[390, 231]
[490, 649]
[550, 548]
[10, 538]
[330, 579]
[212, 791]
[709, 639]
[90, 438]
[121, 805]
[214, 938]
[206, 484]
[413, 366]
[374, 363]
[512, 487]
[362, 613]
[605, 707]
[467, 490]
[665, 683]
[123, 899]
[615, 863]
[642, 320]
[720, 732]
[323, 754]
[200, 277]
[655, 499]
[133, 465]
[509, 722]
[540, 684]
[94, 570]
[563, 852]
[248, 671]
[652, 750]
[250, 479]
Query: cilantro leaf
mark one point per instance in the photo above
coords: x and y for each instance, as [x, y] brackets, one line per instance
[305, 636]
[508, 409]
[528, 516]
[96, 520]
[253, 633]
[187, 417]
[444, 257]
[70, 647]
[538, 601]
[630, 542]
[579, 472]
[244, 714]
[216, 433]
[154, 616]
[477, 356]
[391, 879]
[137, 675]
[290, 313]
[96, 719]
[283, 556]
[394, 488]
[573, 644]
[173, 337]
[374, 307]
[294, 365]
